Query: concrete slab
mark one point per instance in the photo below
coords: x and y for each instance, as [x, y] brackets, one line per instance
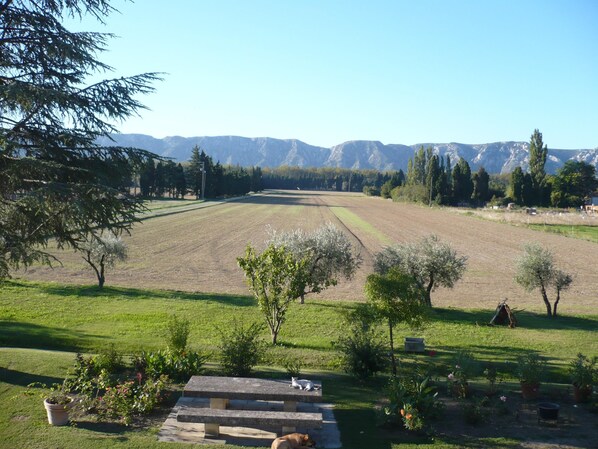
[172, 431]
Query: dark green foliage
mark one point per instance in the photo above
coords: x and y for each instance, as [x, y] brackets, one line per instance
[363, 354]
[219, 180]
[131, 398]
[538, 152]
[462, 183]
[241, 348]
[573, 184]
[55, 181]
[475, 412]
[177, 365]
[325, 178]
[413, 400]
[481, 186]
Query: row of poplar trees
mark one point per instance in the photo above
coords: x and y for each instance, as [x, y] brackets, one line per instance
[431, 178]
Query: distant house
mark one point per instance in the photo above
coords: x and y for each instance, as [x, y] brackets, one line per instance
[592, 204]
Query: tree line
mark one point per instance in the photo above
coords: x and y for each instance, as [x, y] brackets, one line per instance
[200, 173]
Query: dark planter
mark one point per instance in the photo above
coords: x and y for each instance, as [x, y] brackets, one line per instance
[548, 411]
[582, 394]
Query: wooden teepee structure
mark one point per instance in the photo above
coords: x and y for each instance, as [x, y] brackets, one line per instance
[504, 315]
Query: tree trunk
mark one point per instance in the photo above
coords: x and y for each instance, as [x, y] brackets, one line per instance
[302, 300]
[392, 351]
[274, 336]
[546, 302]
[429, 292]
[556, 302]
[101, 277]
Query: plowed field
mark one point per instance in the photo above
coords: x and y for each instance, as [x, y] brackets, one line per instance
[196, 250]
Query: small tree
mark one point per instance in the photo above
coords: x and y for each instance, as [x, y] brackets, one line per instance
[536, 270]
[328, 254]
[101, 252]
[397, 298]
[430, 262]
[275, 277]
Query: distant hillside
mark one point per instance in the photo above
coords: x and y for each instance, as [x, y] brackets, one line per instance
[498, 157]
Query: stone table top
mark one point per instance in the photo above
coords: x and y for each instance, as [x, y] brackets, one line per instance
[249, 388]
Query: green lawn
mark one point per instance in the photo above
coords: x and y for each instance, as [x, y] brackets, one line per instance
[580, 232]
[43, 325]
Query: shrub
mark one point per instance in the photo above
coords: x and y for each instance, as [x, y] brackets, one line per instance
[530, 368]
[108, 359]
[241, 348]
[474, 413]
[178, 365]
[293, 367]
[131, 398]
[412, 395]
[464, 368]
[362, 352]
[177, 333]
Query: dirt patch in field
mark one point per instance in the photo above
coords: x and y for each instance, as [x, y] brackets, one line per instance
[197, 250]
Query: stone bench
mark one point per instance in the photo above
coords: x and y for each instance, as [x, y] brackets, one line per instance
[414, 344]
[213, 418]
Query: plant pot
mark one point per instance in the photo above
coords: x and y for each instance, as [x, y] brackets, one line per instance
[58, 414]
[530, 390]
[582, 394]
[548, 411]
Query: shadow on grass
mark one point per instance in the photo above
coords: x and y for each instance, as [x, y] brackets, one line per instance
[93, 291]
[526, 320]
[23, 379]
[103, 427]
[27, 335]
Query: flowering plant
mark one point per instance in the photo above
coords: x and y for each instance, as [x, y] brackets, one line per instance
[131, 398]
[463, 369]
[411, 417]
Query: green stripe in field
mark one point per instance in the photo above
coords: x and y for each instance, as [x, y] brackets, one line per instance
[576, 231]
[350, 220]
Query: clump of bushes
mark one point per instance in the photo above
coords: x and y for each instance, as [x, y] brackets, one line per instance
[241, 349]
[413, 401]
[362, 352]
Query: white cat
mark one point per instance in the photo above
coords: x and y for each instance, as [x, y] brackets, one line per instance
[303, 384]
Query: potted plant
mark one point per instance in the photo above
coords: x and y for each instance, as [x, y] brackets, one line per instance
[57, 405]
[583, 374]
[530, 368]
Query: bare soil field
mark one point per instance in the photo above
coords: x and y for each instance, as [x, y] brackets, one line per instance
[196, 249]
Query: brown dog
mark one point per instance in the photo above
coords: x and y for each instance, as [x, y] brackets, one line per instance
[293, 441]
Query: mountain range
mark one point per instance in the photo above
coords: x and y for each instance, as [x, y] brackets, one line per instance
[498, 157]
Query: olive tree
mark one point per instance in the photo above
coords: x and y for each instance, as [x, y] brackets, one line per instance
[430, 262]
[397, 298]
[328, 253]
[56, 181]
[536, 270]
[275, 277]
[103, 251]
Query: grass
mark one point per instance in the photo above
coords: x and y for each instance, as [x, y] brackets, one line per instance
[589, 233]
[352, 220]
[43, 325]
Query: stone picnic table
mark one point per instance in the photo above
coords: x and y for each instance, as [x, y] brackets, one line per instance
[220, 390]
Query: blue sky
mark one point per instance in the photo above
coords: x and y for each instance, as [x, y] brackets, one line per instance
[327, 71]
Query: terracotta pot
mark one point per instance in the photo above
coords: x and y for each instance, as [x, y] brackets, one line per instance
[582, 394]
[58, 414]
[529, 390]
